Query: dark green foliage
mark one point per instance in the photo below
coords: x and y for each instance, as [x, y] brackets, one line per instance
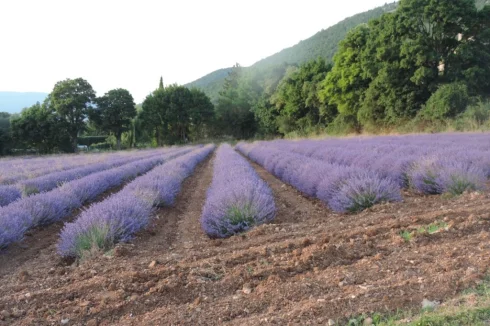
[90, 140]
[71, 99]
[387, 70]
[40, 127]
[447, 102]
[174, 114]
[160, 85]
[234, 115]
[114, 113]
[101, 146]
[5, 134]
[346, 84]
[297, 100]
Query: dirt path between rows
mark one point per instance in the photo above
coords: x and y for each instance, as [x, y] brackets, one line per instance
[307, 267]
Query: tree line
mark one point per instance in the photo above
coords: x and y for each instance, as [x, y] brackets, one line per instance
[169, 115]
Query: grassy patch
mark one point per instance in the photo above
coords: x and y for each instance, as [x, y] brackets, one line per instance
[432, 228]
[427, 229]
[472, 307]
[96, 238]
[407, 236]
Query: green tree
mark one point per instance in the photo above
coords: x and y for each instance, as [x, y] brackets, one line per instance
[447, 102]
[297, 100]
[5, 133]
[176, 113]
[429, 30]
[201, 114]
[114, 112]
[40, 127]
[72, 98]
[234, 108]
[345, 86]
[160, 86]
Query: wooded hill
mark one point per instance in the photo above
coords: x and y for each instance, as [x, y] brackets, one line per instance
[323, 44]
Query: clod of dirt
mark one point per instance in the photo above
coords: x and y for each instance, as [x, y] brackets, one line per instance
[92, 322]
[4, 314]
[153, 264]
[247, 289]
[23, 276]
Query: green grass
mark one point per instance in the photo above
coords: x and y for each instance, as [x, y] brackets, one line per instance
[428, 229]
[94, 239]
[407, 236]
[432, 228]
[471, 308]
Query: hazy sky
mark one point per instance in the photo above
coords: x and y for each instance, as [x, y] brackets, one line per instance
[129, 44]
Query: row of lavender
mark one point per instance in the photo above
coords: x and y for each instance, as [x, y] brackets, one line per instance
[10, 193]
[237, 199]
[15, 170]
[352, 174]
[49, 207]
[123, 214]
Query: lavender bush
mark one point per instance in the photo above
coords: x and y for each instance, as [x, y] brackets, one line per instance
[363, 190]
[237, 199]
[121, 215]
[440, 175]
[9, 194]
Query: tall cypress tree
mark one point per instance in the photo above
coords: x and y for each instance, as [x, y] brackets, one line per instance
[161, 83]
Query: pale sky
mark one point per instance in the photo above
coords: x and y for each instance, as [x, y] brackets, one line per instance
[130, 44]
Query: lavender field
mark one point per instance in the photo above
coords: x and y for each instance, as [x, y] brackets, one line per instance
[348, 175]
[142, 231]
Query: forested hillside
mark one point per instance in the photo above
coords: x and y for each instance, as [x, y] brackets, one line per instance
[323, 44]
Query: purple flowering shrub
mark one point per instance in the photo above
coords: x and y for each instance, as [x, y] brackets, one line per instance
[9, 194]
[104, 224]
[52, 206]
[120, 216]
[363, 190]
[238, 199]
[440, 175]
[13, 225]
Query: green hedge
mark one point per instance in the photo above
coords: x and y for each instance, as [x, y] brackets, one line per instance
[90, 140]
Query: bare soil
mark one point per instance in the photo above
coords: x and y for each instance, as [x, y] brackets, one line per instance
[310, 266]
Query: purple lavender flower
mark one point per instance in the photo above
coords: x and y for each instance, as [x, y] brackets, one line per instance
[237, 199]
[362, 190]
[9, 194]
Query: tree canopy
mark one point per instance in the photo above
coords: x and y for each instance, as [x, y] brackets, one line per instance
[114, 112]
[72, 98]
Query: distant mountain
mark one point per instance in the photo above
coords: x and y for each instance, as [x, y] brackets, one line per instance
[14, 102]
[323, 44]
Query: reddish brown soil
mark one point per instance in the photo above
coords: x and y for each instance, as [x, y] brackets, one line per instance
[310, 266]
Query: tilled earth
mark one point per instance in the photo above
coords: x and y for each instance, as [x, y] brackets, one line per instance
[308, 267]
